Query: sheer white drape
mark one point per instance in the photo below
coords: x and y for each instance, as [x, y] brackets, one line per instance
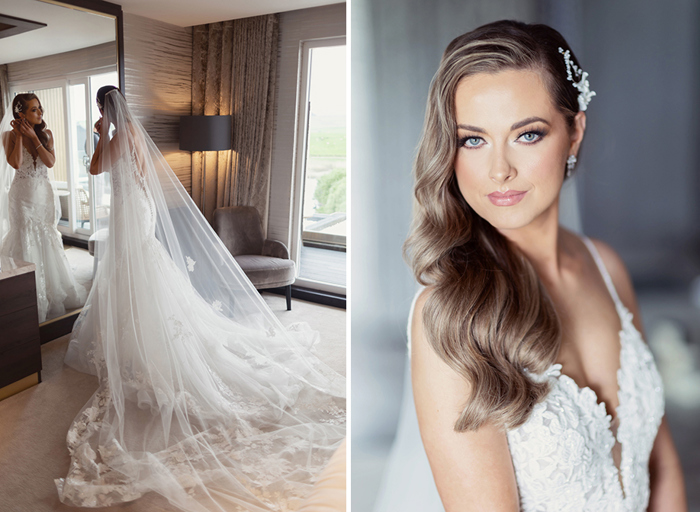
[204, 396]
[7, 174]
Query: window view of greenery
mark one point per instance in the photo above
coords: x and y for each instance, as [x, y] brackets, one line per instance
[325, 206]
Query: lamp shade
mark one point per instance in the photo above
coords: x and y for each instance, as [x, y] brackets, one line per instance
[205, 133]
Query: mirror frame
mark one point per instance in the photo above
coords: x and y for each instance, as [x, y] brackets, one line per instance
[62, 325]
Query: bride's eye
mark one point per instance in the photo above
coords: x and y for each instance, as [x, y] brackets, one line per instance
[470, 142]
[531, 136]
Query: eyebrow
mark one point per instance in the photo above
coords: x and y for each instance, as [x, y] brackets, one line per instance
[515, 126]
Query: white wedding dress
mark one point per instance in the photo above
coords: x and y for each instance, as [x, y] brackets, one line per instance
[33, 237]
[203, 396]
[565, 454]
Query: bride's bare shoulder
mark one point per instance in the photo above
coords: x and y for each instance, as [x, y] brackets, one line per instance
[621, 279]
[420, 346]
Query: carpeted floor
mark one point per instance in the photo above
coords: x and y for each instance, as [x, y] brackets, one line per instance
[33, 423]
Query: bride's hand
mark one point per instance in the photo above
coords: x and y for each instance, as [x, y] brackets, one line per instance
[26, 129]
[98, 126]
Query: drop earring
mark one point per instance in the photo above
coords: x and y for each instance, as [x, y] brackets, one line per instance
[570, 164]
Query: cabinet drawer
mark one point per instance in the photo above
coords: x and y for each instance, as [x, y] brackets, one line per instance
[20, 350]
[17, 292]
[20, 335]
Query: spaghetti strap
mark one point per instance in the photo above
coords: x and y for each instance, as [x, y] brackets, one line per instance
[603, 271]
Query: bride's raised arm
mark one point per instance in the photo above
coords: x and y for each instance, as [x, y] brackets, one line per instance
[12, 141]
[113, 148]
[102, 129]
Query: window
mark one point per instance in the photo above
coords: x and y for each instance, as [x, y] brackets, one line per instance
[320, 206]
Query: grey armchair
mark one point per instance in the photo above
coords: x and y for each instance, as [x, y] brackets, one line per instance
[265, 262]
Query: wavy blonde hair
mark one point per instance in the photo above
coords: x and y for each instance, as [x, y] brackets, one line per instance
[487, 315]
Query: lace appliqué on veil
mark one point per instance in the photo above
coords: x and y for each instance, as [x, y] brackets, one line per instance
[203, 380]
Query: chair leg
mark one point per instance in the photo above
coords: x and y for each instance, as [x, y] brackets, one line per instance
[289, 297]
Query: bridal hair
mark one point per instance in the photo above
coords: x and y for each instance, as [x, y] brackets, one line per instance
[102, 94]
[487, 315]
[20, 104]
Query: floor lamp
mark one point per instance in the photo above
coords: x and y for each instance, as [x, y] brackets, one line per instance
[205, 133]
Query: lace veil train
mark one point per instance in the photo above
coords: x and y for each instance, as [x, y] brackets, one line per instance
[204, 397]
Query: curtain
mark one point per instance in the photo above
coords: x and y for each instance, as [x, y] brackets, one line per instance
[234, 71]
[4, 90]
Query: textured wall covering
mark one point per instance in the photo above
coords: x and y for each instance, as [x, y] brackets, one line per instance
[295, 27]
[158, 73]
[234, 73]
[99, 58]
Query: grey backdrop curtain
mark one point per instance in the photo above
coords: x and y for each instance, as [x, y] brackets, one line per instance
[234, 70]
[4, 90]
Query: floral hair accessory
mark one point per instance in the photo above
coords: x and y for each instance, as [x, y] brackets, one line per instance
[18, 107]
[572, 70]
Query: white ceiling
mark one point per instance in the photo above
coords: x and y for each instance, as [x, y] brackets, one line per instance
[186, 13]
[68, 29]
[71, 29]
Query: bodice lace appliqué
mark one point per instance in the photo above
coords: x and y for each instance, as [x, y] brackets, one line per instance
[31, 168]
[563, 454]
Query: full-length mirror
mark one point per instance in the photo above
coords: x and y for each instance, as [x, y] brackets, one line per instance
[62, 53]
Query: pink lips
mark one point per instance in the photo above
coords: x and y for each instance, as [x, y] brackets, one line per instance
[508, 198]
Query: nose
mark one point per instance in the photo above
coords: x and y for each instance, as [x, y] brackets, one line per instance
[501, 169]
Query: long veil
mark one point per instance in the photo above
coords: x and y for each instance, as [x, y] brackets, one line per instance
[204, 397]
[7, 174]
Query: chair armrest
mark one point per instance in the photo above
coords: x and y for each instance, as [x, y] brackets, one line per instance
[275, 249]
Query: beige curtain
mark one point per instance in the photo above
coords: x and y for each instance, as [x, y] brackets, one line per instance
[4, 90]
[234, 70]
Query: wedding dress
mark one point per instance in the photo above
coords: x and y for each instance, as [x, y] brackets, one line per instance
[568, 456]
[204, 397]
[30, 209]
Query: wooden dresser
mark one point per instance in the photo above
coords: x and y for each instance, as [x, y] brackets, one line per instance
[20, 348]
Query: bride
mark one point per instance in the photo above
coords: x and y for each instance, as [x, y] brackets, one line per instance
[28, 211]
[203, 396]
[533, 387]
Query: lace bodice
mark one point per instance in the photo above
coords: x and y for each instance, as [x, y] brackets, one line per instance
[31, 168]
[563, 454]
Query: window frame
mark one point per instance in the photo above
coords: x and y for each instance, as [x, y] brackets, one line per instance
[301, 132]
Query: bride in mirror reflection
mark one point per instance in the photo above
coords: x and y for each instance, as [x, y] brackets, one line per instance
[28, 216]
[204, 397]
